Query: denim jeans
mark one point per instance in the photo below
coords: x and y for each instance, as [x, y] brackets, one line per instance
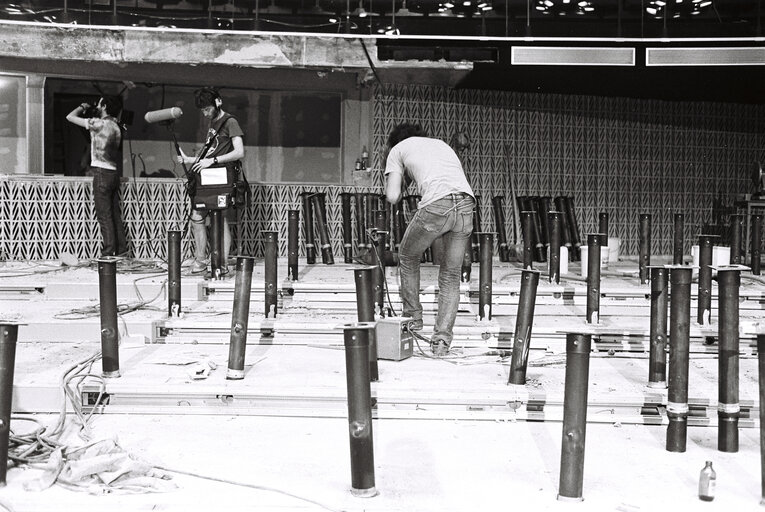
[450, 218]
[106, 196]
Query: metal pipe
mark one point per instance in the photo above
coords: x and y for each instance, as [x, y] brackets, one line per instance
[378, 260]
[475, 243]
[523, 323]
[216, 245]
[576, 244]
[543, 206]
[345, 205]
[310, 248]
[657, 361]
[527, 221]
[240, 314]
[761, 380]
[736, 231]
[756, 236]
[728, 407]
[560, 205]
[356, 339]
[644, 259]
[704, 309]
[603, 228]
[365, 310]
[484, 275]
[399, 225]
[554, 259]
[679, 342]
[593, 278]
[677, 246]
[173, 274]
[574, 416]
[8, 336]
[467, 263]
[293, 230]
[320, 214]
[361, 224]
[540, 240]
[107, 293]
[499, 221]
[271, 249]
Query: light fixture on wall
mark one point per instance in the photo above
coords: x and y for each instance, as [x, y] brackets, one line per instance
[676, 8]
[565, 7]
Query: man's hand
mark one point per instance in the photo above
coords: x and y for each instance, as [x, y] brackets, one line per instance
[204, 163]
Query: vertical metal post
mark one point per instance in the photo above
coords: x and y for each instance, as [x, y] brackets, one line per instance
[216, 244]
[761, 381]
[499, 221]
[378, 245]
[107, 292]
[484, 276]
[320, 214]
[704, 310]
[310, 248]
[467, 264]
[560, 205]
[399, 225]
[523, 323]
[677, 246]
[8, 336]
[644, 259]
[293, 230]
[554, 260]
[574, 417]
[356, 338]
[657, 361]
[593, 278]
[475, 243]
[728, 407]
[173, 274]
[240, 314]
[756, 236]
[679, 343]
[603, 228]
[361, 221]
[543, 207]
[573, 227]
[539, 239]
[527, 221]
[271, 249]
[736, 236]
[365, 309]
[345, 203]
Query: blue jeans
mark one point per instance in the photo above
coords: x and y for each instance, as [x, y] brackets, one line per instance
[450, 218]
[106, 196]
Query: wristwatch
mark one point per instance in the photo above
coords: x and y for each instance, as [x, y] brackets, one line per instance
[215, 160]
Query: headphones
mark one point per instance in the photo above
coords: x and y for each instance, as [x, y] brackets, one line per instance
[207, 97]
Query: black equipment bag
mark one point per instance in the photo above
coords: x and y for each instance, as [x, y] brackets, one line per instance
[214, 188]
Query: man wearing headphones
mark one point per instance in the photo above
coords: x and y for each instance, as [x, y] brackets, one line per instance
[223, 147]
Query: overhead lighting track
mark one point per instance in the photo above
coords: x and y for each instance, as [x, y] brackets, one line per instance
[572, 56]
[719, 56]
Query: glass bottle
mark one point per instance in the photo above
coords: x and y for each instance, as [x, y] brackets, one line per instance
[707, 482]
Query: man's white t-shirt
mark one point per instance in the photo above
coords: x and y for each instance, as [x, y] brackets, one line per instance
[432, 163]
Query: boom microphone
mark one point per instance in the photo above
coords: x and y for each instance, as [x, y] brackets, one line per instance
[166, 114]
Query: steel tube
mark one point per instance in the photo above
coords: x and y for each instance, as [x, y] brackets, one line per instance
[293, 230]
[574, 417]
[271, 249]
[736, 232]
[603, 228]
[173, 274]
[527, 221]
[365, 309]
[573, 226]
[216, 245]
[399, 225]
[345, 205]
[484, 276]
[320, 214]
[356, 339]
[644, 259]
[543, 207]
[8, 336]
[539, 240]
[756, 236]
[240, 314]
[310, 248]
[475, 243]
[728, 408]
[555, 235]
[499, 221]
[761, 381]
[361, 221]
[679, 342]
[467, 263]
[704, 309]
[523, 323]
[565, 230]
[107, 293]
[593, 278]
[678, 239]
[657, 360]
